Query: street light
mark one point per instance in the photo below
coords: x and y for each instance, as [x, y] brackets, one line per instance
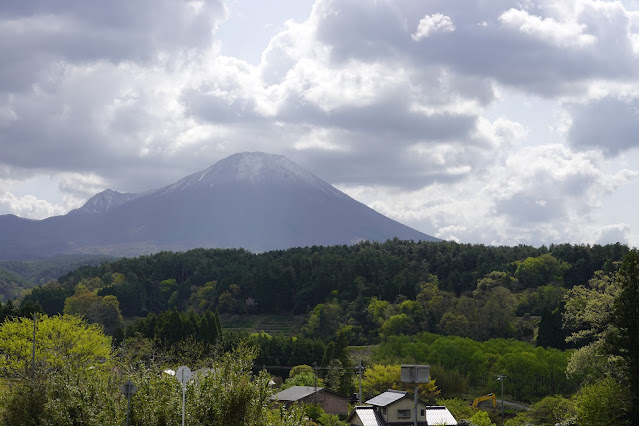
[501, 378]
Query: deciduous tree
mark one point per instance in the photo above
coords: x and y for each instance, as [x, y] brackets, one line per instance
[588, 318]
[103, 310]
[62, 340]
[604, 402]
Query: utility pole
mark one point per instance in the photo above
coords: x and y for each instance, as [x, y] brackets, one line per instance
[360, 381]
[416, 389]
[501, 378]
[315, 382]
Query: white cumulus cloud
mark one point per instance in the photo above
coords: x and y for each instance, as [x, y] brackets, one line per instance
[431, 24]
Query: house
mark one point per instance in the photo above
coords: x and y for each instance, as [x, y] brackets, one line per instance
[365, 415]
[330, 401]
[397, 408]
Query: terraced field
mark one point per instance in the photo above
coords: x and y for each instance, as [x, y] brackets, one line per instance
[285, 325]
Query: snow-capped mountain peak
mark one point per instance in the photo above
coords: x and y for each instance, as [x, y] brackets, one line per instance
[252, 168]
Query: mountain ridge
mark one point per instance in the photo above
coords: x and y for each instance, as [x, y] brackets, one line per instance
[256, 201]
[104, 201]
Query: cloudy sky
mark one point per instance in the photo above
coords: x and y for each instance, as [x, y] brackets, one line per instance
[495, 122]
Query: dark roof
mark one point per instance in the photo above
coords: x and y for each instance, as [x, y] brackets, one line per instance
[295, 393]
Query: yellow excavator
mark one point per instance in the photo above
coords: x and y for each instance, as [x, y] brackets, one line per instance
[489, 397]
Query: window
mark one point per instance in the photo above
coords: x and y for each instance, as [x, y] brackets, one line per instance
[403, 414]
[422, 412]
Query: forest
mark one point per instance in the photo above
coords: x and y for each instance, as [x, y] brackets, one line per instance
[547, 318]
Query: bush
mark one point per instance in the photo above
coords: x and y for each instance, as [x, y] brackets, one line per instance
[481, 418]
[226, 394]
[459, 408]
[604, 402]
[449, 381]
[72, 396]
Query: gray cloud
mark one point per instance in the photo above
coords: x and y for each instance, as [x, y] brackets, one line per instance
[58, 128]
[389, 116]
[608, 124]
[223, 107]
[74, 80]
[530, 208]
[551, 184]
[525, 46]
[121, 30]
[82, 32]
[397, 169]
[613, 233]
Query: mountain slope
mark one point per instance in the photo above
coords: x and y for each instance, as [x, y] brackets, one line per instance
[255, 201]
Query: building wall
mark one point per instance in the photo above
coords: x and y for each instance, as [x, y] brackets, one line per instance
[405, 404]
[331, 403]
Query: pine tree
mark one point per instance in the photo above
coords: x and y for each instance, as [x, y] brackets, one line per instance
[551, 333]
[626, 318]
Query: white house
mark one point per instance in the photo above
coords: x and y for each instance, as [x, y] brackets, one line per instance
[397, 408]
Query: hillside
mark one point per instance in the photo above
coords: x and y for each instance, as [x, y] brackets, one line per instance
[297, 281]
[17, 276]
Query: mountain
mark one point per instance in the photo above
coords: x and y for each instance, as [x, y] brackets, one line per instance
[256, 201]
[105, 201]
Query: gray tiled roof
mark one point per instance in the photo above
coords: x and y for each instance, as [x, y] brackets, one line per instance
[386, 398]
[295, 393]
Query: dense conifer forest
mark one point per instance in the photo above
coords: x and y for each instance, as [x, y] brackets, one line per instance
[297, 280]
